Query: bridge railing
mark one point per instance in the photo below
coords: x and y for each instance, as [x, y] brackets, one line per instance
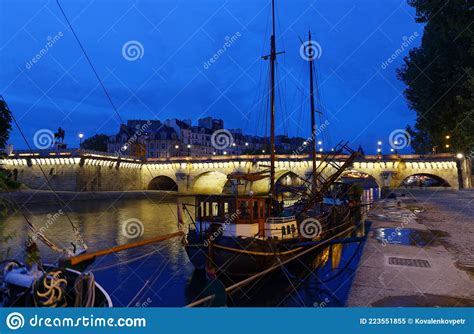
[107, 155]
[71, 153]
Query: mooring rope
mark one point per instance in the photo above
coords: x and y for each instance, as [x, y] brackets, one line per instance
[84, 298]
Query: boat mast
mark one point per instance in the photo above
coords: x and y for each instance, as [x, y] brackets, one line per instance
[272, 107]
[313, 116]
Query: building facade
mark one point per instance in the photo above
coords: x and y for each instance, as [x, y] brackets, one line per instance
[179, 138]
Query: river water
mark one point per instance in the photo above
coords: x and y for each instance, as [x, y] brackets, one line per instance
[161, 274]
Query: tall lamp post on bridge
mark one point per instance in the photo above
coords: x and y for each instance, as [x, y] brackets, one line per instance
[81, 135]
[447, 145]
[379, 147]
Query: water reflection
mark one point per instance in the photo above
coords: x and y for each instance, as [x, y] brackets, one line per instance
[326, 284]
[161, 274]
[405, 236]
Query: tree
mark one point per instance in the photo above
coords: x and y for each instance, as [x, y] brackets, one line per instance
[5, 123]
[439, 77]
[96, 143]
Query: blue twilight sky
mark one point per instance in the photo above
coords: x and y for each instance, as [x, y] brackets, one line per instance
[363, 100]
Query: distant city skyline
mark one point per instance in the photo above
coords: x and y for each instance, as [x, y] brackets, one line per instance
[146, 63]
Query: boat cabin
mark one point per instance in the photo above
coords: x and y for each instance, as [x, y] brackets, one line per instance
[242, 216]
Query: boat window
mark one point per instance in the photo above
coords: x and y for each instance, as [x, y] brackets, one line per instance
[255, 210]
[288, 229]
[293, 229]
[226, 207]
[202, 209]
[283, 230]
[244, 209]
[215, 209]
[208, 209]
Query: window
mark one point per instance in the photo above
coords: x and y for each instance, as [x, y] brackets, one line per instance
[244, 209]
[215, 209]
[255, 210]
[202, 209]
[208, 211]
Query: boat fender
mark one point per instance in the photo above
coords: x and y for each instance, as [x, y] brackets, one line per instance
[20, 277]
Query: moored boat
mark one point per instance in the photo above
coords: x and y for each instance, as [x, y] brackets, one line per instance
[244, 234]
[239, 237]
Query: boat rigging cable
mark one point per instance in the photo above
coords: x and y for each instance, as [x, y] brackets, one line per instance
[94, 70]
[89, 61]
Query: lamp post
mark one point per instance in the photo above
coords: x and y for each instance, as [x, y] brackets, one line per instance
[320, 143]
[81, 135]
[379, 147]
[459, 166]
[447, 145]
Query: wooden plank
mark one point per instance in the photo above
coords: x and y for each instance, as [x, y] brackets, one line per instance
[89, 256]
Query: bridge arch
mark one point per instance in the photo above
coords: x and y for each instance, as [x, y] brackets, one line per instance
[163, 182]
[357, 174]
[425, 180]
[211, 182]
[283, 177]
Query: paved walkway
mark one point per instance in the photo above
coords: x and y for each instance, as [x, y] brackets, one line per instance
[424, 254]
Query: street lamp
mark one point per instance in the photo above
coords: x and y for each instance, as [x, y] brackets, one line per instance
[81, 135]
[448, 137]
[379, 147]
[459, 155]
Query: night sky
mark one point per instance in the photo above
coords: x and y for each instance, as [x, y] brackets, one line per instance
[363, 99]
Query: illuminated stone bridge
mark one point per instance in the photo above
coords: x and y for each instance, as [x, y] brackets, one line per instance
[94, 171]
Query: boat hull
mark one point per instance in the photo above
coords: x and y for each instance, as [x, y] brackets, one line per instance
[241, 256]
[237, 256]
